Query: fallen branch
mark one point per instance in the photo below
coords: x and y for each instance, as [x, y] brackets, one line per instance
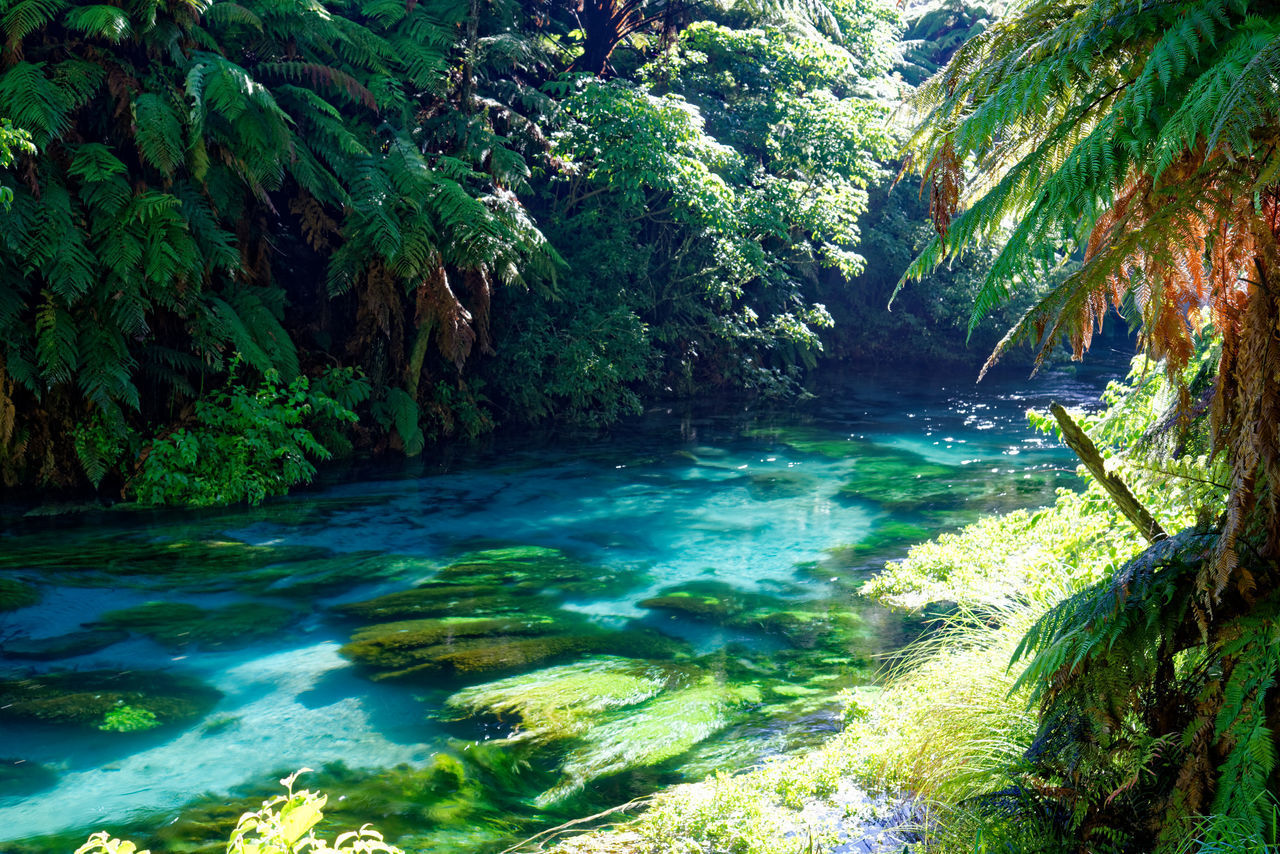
[1079, 441]
[568, 825]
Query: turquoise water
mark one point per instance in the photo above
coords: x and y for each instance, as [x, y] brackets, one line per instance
[587, 618]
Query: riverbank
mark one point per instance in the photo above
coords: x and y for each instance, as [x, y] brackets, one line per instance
[948, 732]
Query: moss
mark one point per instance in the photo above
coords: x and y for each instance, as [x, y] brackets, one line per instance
[62, 646]
[402, 644]
[16, 594]
[85, 699]
[180, 624]
[559, 702]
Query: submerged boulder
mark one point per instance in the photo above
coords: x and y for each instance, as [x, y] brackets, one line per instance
[88, 698]
[708, 601]
[392, 653]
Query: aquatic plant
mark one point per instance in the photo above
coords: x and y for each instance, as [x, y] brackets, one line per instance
[563, 701]
[179, 624]
[651, 733]
[87, 698]
[126, 718]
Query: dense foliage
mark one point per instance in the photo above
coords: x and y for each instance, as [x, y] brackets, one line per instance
[1143, 137]
[493, 212]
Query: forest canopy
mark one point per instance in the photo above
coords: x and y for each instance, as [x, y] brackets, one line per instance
[443, 214]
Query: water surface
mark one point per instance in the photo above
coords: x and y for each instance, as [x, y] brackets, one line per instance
[588, 618]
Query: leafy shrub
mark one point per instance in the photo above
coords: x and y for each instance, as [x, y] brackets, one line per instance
[244, 444]
[285, 825]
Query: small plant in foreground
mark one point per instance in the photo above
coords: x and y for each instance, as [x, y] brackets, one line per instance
[284, 825]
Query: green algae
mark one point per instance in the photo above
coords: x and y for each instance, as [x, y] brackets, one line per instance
[86, 698]
[559, 702]
[651, 734]
[15, 594]
[179, 624]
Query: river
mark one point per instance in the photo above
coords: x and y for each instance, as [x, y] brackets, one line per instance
[467, 650]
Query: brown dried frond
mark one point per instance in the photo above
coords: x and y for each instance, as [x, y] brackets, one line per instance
[439, 307]
[8, 410]
[480, 291]
[317, 226]
[944, 176]
[379, 317]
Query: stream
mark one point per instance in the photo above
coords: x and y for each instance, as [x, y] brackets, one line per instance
[470, 648]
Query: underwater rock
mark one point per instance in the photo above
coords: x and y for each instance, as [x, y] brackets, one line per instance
[562, 701]
[16, 594]
[472, 656]
[805, 627]
[20, 777]
[813, 440]
[86, 698]
[889, 539]
[62, 646]
[401, 644]
[180, 624]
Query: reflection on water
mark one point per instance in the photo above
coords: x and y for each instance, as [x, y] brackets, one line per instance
[532, 632]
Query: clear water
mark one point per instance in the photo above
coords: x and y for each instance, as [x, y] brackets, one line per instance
[767, 513]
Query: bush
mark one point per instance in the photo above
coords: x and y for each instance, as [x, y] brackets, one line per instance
[246, 444]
